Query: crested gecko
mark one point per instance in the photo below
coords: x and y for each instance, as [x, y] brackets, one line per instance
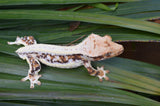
[93, 48]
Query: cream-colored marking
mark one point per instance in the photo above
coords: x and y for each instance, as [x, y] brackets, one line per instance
[48, 57]
[69, 64]
[57, 58]
[66, 57]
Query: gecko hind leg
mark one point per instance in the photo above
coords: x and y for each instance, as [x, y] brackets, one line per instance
[100, 72]
[34, 68]
[26, 40]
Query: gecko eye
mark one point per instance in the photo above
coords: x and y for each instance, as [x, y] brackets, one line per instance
[108, 37]
[108, 54]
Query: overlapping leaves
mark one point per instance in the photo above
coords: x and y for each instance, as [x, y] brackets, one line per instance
[75, 86]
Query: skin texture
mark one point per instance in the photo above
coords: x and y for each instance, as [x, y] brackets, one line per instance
[93, 48]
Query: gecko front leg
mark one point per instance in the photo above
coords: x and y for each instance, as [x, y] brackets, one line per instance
[34, 68]
[100, 72]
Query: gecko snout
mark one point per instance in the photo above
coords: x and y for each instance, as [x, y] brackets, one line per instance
[120, 49]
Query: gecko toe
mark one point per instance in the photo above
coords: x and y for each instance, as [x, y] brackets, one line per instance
[38, 83]
[39, 76]
[100, 80]
[106, 78]
[25, 78]
[107, 71]
[32, 85]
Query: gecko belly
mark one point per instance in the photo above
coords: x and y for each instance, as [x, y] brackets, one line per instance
[69, 64]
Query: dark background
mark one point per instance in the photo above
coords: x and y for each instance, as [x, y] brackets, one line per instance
[143, 51]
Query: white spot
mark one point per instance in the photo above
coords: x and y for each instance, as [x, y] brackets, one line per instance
[53, 59]
[22, 56]
[57, 58]
[70, 60]
[87, 64]
[78, 61]
[48, 57]
[66, 57]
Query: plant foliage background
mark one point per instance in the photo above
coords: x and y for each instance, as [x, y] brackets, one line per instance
[132, 83]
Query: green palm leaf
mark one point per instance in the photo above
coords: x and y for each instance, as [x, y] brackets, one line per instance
[25, 2]
[131, 82]
[68, 84]
[77, 16]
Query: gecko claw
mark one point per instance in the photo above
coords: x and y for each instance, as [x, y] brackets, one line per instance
[102, 73]
[38, 83]
[25, 78]
[100, 80]
[107, 71]
[39, 76]
[32, 85]
[106, 78]
[33, 80]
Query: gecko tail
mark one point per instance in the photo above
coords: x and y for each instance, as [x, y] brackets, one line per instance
[26, 40]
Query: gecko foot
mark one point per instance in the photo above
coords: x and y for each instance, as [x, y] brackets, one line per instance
[33, 80]
[102, 73]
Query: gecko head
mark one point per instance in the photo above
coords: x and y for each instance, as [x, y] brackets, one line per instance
[95, 45]
[114, 49]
